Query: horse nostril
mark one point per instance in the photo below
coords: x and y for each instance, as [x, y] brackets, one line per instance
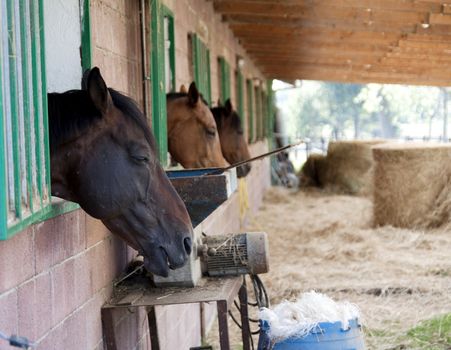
[188, 245]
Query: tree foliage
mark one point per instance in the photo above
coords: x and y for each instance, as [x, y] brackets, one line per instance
[337, 111]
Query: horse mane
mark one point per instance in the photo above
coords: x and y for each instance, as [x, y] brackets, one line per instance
[219, 112]
[72, 112]
[129, 107]
[175, 95]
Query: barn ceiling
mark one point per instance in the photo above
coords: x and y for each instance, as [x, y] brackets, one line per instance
[383, 41]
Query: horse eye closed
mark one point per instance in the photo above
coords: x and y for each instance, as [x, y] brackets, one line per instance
[210, 131]
[141, 159]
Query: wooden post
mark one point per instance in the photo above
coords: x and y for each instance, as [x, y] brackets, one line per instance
[223, 326]
[153, 328]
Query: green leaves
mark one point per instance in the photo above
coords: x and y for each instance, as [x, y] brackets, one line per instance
[335, 110]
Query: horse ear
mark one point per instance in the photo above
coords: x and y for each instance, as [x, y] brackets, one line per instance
[219, 102]
[183, 89]
[228, 106]
[98, 90]
[193, 94]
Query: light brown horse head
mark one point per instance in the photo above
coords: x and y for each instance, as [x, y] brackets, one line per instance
[233, 144]
[193, 138]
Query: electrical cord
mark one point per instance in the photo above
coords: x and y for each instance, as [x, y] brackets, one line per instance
[262, 300]
[235, 320]
[261, 294]
[239, 309]
[16, 341]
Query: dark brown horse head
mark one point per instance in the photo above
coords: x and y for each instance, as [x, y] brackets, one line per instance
[103, 157]
[233, 144]
[193, 138]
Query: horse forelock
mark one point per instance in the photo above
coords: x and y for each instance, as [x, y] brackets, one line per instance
[233, 119]
[130, 108]
[203, 118]
[217, 114]
[70, 113]
[176, 95]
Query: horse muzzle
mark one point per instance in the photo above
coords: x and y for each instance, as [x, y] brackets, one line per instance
[161, 260]
[243, 170]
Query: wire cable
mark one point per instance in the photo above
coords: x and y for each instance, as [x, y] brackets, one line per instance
[262, 300]
[18, 342]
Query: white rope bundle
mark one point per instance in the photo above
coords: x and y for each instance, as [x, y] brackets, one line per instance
[298, 318]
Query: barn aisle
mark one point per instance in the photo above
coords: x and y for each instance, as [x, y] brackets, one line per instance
[325, 242]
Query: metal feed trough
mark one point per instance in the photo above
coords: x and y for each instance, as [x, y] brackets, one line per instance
[202, 193]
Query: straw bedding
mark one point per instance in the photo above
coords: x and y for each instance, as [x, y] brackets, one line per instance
[412, 185]
[397, 277]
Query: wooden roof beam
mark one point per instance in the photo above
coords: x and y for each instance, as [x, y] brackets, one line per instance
[373, 69]
[282, 6]
[362, 62]
[320, 38]
[312, 46]
[400, 71]
[426, 45]
[431, 61]
[269, 29]
[426, 57]
[356, 24]
[429, 37]
[360, 16]
[422, 50]
[287, 61]
[434, 29]
[364, 55]
[440, 18]
[363, 78]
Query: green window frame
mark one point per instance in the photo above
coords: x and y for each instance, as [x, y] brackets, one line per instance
[157, 63]
[270, 110]
[86, 51]
[258, 112]
[169, 53]
[264, 114]
[239, 93]
[25, 193]
[24, 164]
[224, 79]
[201, 66]
[250, 111]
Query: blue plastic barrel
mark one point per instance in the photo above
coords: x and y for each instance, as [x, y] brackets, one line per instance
[325, 336]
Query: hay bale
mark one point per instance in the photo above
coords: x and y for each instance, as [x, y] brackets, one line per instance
[350, 166]
[312, 170]
[347, 168]
[412, 185]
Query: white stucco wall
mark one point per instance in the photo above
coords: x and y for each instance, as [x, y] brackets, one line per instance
[62, 27]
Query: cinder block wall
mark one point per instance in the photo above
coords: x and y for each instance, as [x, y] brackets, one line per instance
[55, 276]
[198, 16]
[116, 44]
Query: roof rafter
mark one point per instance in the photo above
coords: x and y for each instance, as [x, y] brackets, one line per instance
[403, 41]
